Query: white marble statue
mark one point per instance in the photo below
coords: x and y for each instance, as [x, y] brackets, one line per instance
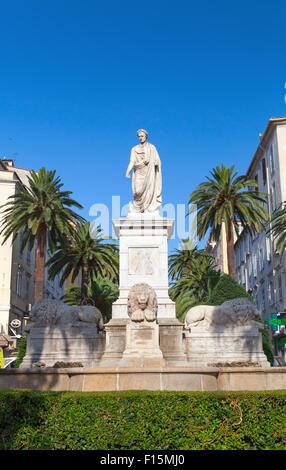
[50, 312]
[147, 176]
[232, 313]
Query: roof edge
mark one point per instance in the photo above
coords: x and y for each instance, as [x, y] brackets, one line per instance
[272, 123]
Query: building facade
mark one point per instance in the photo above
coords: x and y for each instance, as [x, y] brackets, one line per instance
[259, 268]
[17, 270]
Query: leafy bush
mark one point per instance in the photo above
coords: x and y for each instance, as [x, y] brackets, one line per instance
[22, 345]
[227, 289]
[267, 346]
[142, 420]
[101, 293]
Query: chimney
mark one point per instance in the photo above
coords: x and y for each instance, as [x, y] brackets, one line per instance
[8, 161]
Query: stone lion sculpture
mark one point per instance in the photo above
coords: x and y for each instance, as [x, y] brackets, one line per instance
[232, 313]
[142, 303]
[49, 312]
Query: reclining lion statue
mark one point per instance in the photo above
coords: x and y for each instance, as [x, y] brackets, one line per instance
[49, 312]
[232, 313]
[142, 303]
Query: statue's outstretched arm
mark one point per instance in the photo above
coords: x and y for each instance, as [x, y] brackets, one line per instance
[131, 165]
[129, 168]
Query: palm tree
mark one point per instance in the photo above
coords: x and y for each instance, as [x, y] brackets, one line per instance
[225, 199]
[182, 260]
[85, 253]
[197, 279]
[278, 228]
[101, 293]
[43, 212]
[196, 286]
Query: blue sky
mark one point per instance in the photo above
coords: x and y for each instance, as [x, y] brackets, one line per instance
[78, 78]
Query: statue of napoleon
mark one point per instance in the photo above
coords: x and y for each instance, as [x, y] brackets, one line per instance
[147, 176]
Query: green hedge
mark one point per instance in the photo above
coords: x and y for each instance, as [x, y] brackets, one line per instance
[227, 289]
[22, 346]
[142, 420]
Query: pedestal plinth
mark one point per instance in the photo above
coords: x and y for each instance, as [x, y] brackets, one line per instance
[143, 258]
[143, 244]
[142, 346]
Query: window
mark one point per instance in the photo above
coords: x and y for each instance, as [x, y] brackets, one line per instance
[270, 292]
[273, 197]
[254, 265]
[268, 253]
[242, 275]
[242, 249]
[280, 291]
[28, 283]
[256, 179]
[263, 297]
[264, 171]
[250, 268]
[20, 243]
[19, 286]
[261, 259]
[238, 254]
[271, 159]
[28, 254]
[248, 244]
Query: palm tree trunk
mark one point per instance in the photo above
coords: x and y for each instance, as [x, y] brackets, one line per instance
[84, 286]
[40, 266]
[230, 251]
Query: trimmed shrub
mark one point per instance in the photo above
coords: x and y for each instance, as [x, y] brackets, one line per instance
[227, 289]
[142, 420]
[22, 346]
[267, 346]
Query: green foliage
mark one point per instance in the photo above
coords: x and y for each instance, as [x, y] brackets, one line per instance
[183, 260]
[267, 346]
[32, 420]
[278, 224]
[227, 289]
[226, 197]
[87, 253]
[101, 293]
[194, 278]
[22, 345]
[41, 206]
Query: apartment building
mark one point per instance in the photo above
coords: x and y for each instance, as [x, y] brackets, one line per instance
[17, 270]
[259, 267]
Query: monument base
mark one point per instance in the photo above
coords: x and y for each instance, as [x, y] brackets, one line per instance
[101, 379]
[226, 346]
[83, 344]
[170, 342]
[142, 346]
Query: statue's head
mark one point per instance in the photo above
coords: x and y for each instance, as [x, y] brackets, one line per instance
[142, 135]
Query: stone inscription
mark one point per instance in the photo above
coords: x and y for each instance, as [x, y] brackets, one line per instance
[142, 261]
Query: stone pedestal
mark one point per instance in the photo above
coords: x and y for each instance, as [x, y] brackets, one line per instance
[143, 258]
[142, 346]
[143, 244]
[115, 342]
[225, 346]
[51, 344]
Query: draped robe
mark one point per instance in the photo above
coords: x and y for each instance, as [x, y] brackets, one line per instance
[146, 179]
